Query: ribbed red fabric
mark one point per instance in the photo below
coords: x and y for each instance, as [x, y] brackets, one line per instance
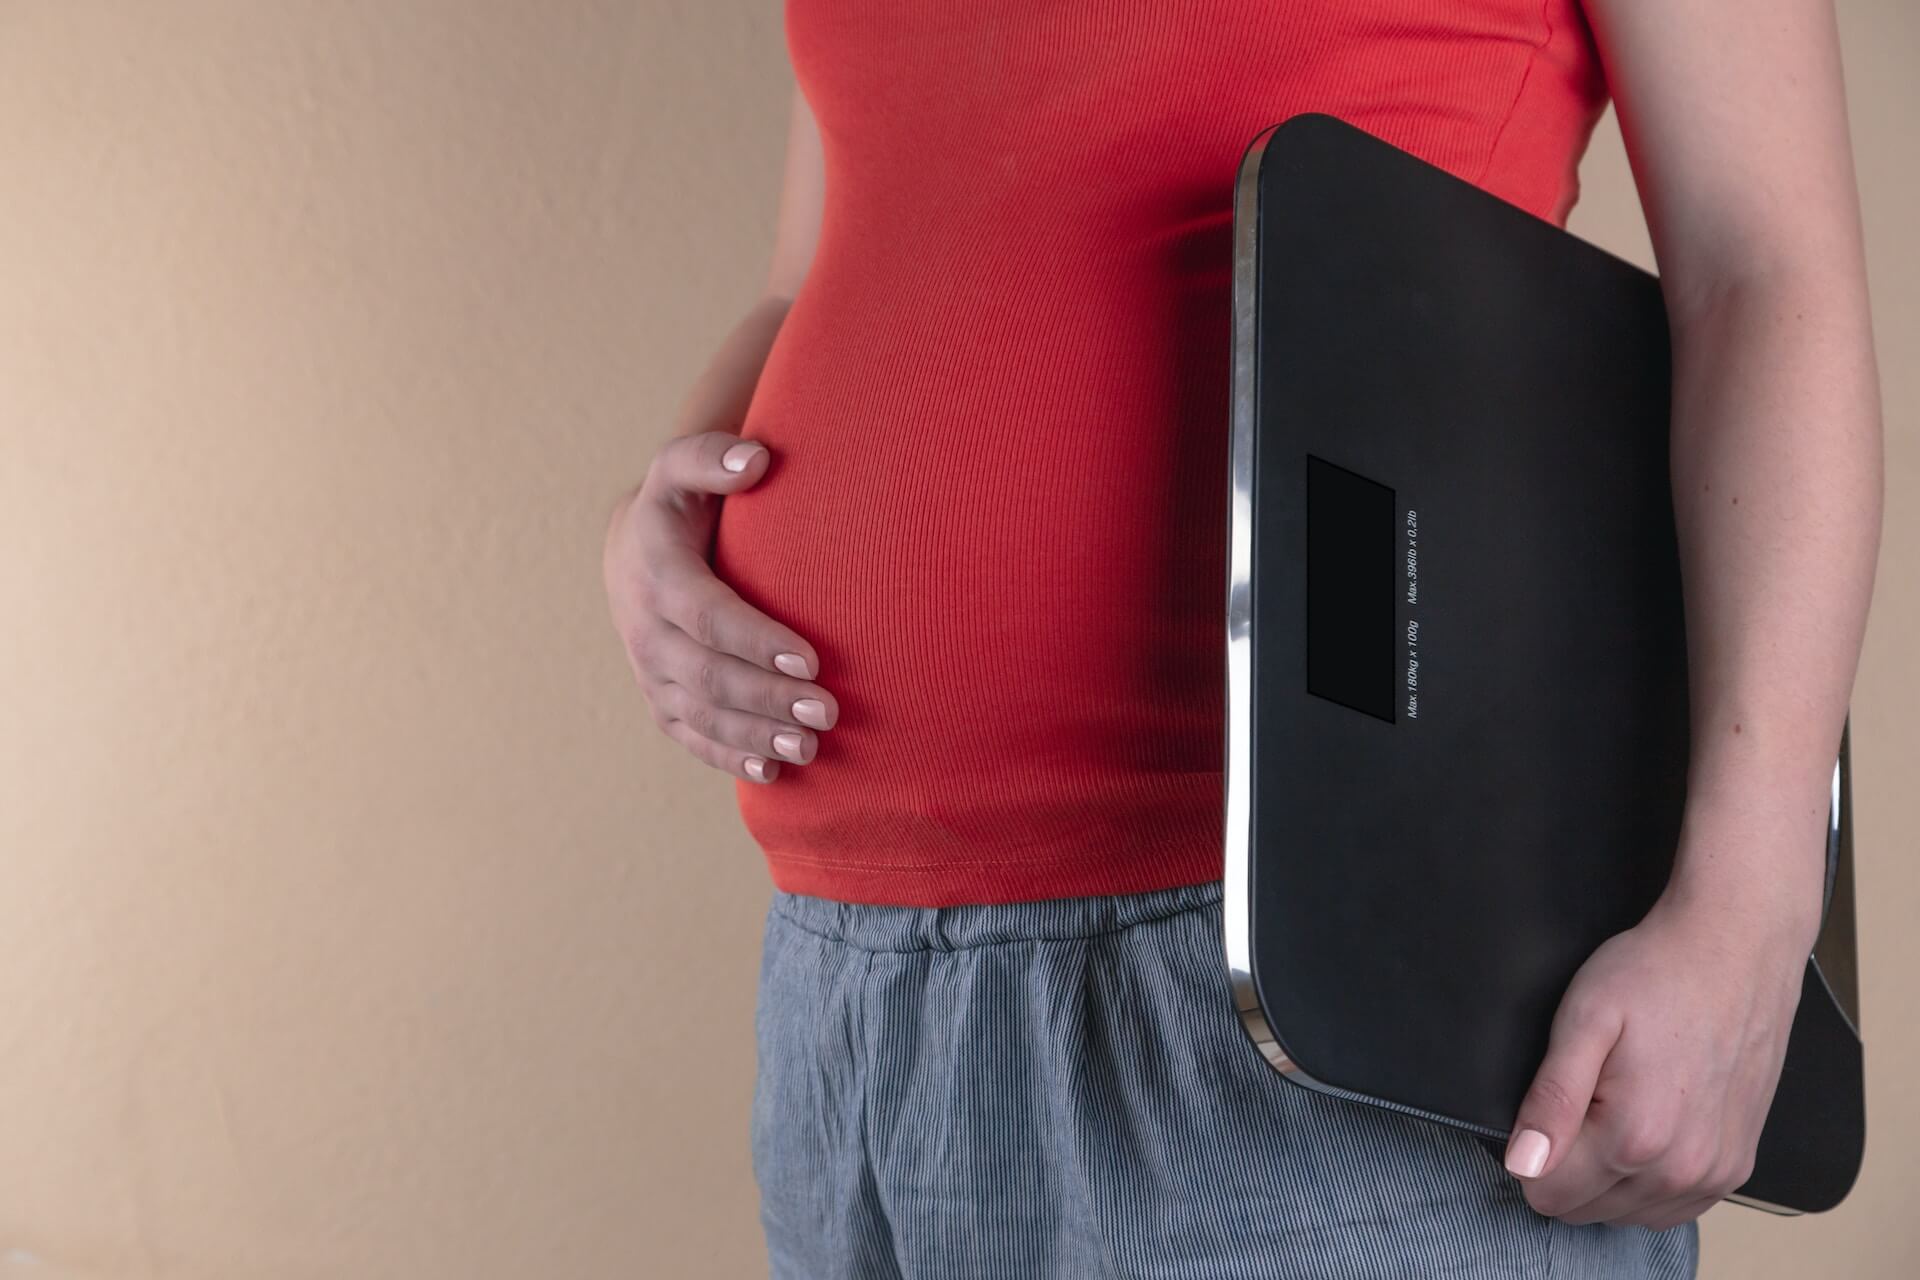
[998, 406]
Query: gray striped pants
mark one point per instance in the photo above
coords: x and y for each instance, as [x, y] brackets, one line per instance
[1060, 1090]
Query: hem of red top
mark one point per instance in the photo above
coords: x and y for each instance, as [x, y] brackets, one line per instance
[955, 886]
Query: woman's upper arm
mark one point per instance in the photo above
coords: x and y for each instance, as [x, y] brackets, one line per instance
[802, 190]
[1734, 118]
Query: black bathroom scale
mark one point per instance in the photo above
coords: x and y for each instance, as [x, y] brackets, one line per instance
[1457, 678]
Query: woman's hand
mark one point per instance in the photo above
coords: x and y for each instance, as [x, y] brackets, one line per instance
[730, 684]
[1663, 1060]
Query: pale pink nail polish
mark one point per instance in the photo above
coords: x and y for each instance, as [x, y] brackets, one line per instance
[756, 767]
[793, 664]
[788, 745]
[1528, 1154]
[811, 711]
[737, 457]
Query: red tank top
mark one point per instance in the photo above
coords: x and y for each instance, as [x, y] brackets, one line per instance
[998, 406]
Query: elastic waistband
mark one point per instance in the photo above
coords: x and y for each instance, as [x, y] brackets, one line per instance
[891, 928]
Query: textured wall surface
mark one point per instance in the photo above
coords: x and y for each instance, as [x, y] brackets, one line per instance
[355, 921]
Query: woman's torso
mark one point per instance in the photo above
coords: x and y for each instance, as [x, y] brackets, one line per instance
[998, 406]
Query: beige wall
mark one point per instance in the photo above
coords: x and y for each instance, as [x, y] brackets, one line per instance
[354, 919]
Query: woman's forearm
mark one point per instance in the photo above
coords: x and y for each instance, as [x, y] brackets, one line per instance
[718, 398]
[1777, 487]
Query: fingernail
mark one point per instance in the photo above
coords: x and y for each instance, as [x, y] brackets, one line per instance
[737, 458]
[811, 711]
[793, 664]
[788, 745]
[1528, 1154]
[757, 767]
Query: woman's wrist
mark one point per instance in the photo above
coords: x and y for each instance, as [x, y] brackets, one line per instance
[1756, 884]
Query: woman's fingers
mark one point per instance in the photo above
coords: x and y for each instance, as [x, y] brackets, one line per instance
[726, 681]
[1551, 1115]
[706, 462]
[1584, 1173]
[1670, 1212]
[1679, 1170]
[1704, 1164]
[756, 735]
[721, 680]
[1676, 1189]
[1663, 1216]
[684, 591]
[746, 764]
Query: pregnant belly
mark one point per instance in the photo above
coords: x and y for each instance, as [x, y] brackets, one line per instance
[993, 592]
[1011, 565]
